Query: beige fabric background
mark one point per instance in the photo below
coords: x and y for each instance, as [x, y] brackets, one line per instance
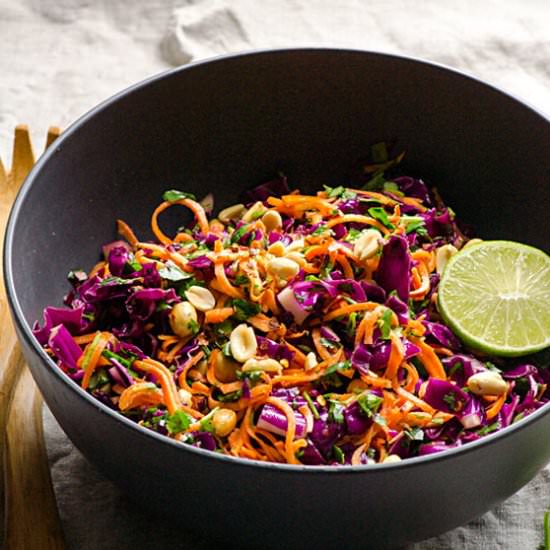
[58, 58]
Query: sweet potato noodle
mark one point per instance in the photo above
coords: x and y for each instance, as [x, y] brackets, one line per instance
[292, 328]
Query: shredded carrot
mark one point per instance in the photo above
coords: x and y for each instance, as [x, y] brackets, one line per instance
[166, 381]
[291, 427]
[397, 354]
[195, 207]
[429, 359]
[191, 362]
[358, 218]
[218, 315]
[124, 230]
[321, 350]
[140, 394]
[350, 308]
[223, 283]
[90, 358]
[494, 409]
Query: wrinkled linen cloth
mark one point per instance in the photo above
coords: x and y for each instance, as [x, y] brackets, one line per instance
[61, 57]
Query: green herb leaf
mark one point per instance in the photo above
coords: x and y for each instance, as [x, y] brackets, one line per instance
[450, 400]
[311, 405]
[384, 324]
[369, 403]
[376, 183]
[194, 327]
[380, 214]
[415, 434]
[392, 187]
[338, 454]
[206, 421]
[229, 397]
[178, 422]
[414, 223]
[171, 272]
[241, 280]
[244, 309]
[238, 234]
[117, 281]
[491, 428]
[336, 412]
[174, 195]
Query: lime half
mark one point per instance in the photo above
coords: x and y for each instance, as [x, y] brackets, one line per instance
[495, 296]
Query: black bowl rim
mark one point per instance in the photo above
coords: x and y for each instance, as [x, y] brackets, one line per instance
[25, 329]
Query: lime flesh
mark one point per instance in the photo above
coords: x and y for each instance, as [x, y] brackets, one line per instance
[495, 296]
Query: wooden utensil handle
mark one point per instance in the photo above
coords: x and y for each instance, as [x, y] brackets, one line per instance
[32, 519]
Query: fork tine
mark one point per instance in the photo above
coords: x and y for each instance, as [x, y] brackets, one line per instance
[3, 176]
[53, 134]
[23, 156]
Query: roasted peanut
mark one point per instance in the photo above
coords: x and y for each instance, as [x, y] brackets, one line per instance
[311, 361]
[232, 213]
[200, 297]
[225, 368]
[487, 383]
[272, 220]
[224, 422]
[267, 365]
[277, 249]
[367, 244]
[283, 269]
[254, 212]
[185, 397]
[243, 343]
[183, 319]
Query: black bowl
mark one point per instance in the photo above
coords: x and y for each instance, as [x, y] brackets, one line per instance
[225, 125]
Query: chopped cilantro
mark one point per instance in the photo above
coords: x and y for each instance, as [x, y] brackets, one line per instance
[339, 192]
[352, 235]
[244, 309]
[392, 187]
[458, 365]
[369, 403]
[351, 324]
[230, 397]
[450, 400]
[414, 223]
[178, 422]
[376, 183]
[224, 328]
[311, 405]
[174, 195]
[238, 234]
[98, 378]
[415, 434]
[490, 428]
[384, 324]
[193, 326]
[116, 281]
[171, 272]
[241, 280]
[320, 230]
[338, 454]
[206, 421]
[336, 412]
[380, 214]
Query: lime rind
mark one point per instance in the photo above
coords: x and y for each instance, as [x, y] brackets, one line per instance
[495, 295]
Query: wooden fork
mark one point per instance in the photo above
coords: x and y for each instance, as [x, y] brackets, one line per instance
[28, 509]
